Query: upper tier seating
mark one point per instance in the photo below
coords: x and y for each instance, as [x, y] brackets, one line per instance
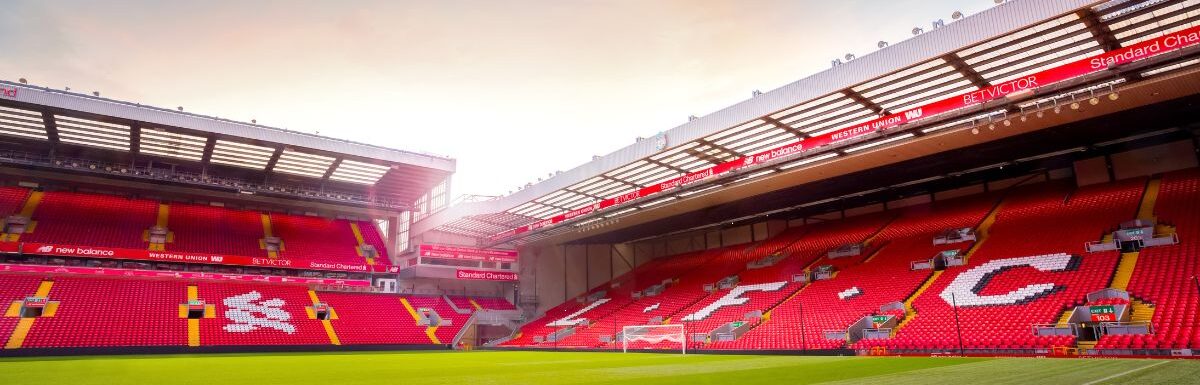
[370, 234]
[462, 302]
[11, 200]
[84, 219]
[92, 220]
[486, 303]
[308, 238]
[218, 230]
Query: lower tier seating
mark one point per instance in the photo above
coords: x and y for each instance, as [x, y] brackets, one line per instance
[1028, 267]
[111, 312]
[373, 319]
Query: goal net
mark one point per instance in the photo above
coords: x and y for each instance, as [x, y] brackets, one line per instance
[653, 337]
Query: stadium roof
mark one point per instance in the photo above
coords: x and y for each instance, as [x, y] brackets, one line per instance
[1007, 42]
[121, 130]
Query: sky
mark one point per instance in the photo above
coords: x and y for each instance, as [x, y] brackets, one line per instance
[514, 90]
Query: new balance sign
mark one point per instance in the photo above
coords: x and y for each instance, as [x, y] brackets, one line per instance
[174, 256]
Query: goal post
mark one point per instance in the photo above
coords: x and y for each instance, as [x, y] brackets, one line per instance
[653, 334]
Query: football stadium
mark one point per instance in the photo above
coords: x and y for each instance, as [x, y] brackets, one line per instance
[1010, 196]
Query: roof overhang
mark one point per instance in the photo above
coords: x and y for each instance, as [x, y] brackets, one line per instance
[62, 126]
[1002, 43]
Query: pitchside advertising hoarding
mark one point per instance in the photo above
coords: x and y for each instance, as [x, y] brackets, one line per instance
[1146, 49]
[467, 253]
[113, 272]
[180, 257]
[8, 92]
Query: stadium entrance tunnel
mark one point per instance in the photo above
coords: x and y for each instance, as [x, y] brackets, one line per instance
[31, 312]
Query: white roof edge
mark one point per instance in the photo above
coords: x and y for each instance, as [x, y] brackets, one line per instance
[154, 115]
[974, 29]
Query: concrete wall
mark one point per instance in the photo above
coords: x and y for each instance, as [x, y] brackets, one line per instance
[1145, 161]
[1091, 171]
[864, 210]
[909, 201]
[1021, 180]
[736, 235]
[958, 192]
[1154, 160]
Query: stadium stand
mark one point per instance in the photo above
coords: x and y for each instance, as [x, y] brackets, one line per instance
[365, 319]
[13, 291]
[208, 229]
[1029, 234]
[883, 278]
[316, 239]
[12, 199]
[259, 315]
[1042, 225]
[370, 236]
[99, 220]
[1162, 286]
[445, 331]
[462, 302]
[97, 312]
[118, 312]
[92, 220]
[1039, 223]
[481, 303]
[966, 200]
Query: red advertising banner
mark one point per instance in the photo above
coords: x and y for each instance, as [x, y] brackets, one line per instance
[467, 253]
[482, 275]
[1087, 66]
[181, 257]
[78, 270]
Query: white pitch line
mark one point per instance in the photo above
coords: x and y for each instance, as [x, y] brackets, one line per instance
[1125, 373]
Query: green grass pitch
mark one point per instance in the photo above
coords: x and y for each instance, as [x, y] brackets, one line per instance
[481, 368]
